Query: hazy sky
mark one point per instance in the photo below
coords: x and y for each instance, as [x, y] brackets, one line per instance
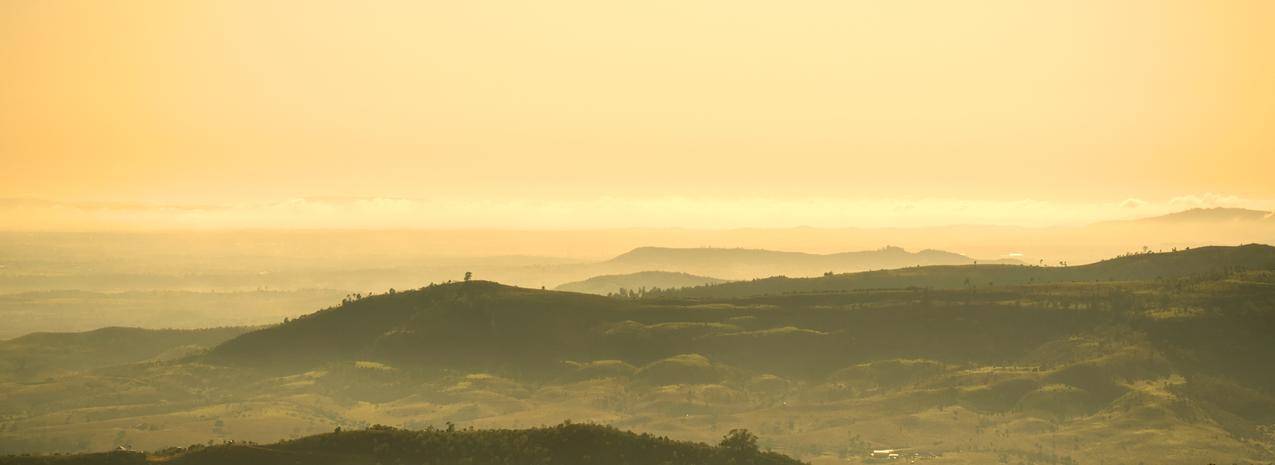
[642, 113]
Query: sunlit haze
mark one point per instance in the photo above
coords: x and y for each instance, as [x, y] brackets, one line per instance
[673, 232]
[584, 114]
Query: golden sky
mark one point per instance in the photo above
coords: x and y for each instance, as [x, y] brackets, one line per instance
[641, 113]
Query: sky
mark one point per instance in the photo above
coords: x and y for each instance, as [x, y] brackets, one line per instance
[580, 114]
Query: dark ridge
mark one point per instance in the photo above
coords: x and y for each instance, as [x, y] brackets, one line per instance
[566, 444]
[452, 324]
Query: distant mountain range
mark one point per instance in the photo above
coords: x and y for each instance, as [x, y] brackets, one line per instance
[742, 263]
[668, 267]
[362, 261]
[1054, 245]
[1206, 216]
[1135, 267]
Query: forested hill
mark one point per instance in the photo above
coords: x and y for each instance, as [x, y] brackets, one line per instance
[565, 444]
[1135, 267]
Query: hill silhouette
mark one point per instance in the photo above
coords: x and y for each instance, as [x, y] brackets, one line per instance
[449, 324]
[1135, 267]
[1209, 215]
[640, 281]
[567, 444]
[747, 263]
[491, 326]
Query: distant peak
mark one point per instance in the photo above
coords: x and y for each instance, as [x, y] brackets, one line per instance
[1215, 214]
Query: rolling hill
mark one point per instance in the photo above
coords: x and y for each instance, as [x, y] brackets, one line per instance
[478, 322]
[1166, 362]
[642, 280]
[1137, 267]
[486, 324]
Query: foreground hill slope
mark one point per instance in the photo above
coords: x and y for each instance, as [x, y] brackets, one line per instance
[640, 281]
[566, 444]
[1137, 267]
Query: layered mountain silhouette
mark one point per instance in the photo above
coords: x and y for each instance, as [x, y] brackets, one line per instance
[1215, 214]
[1157, 353]
[1200, 216]
[749, 263]
[487, 324]
[1134, 267]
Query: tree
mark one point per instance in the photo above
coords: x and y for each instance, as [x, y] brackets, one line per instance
[739, 440]
[468, 275]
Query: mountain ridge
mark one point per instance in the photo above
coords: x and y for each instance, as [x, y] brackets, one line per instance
[746, 263]
[1130, 267]
[565, 444]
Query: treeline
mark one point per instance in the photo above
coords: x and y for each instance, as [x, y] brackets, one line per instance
[565, 444]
